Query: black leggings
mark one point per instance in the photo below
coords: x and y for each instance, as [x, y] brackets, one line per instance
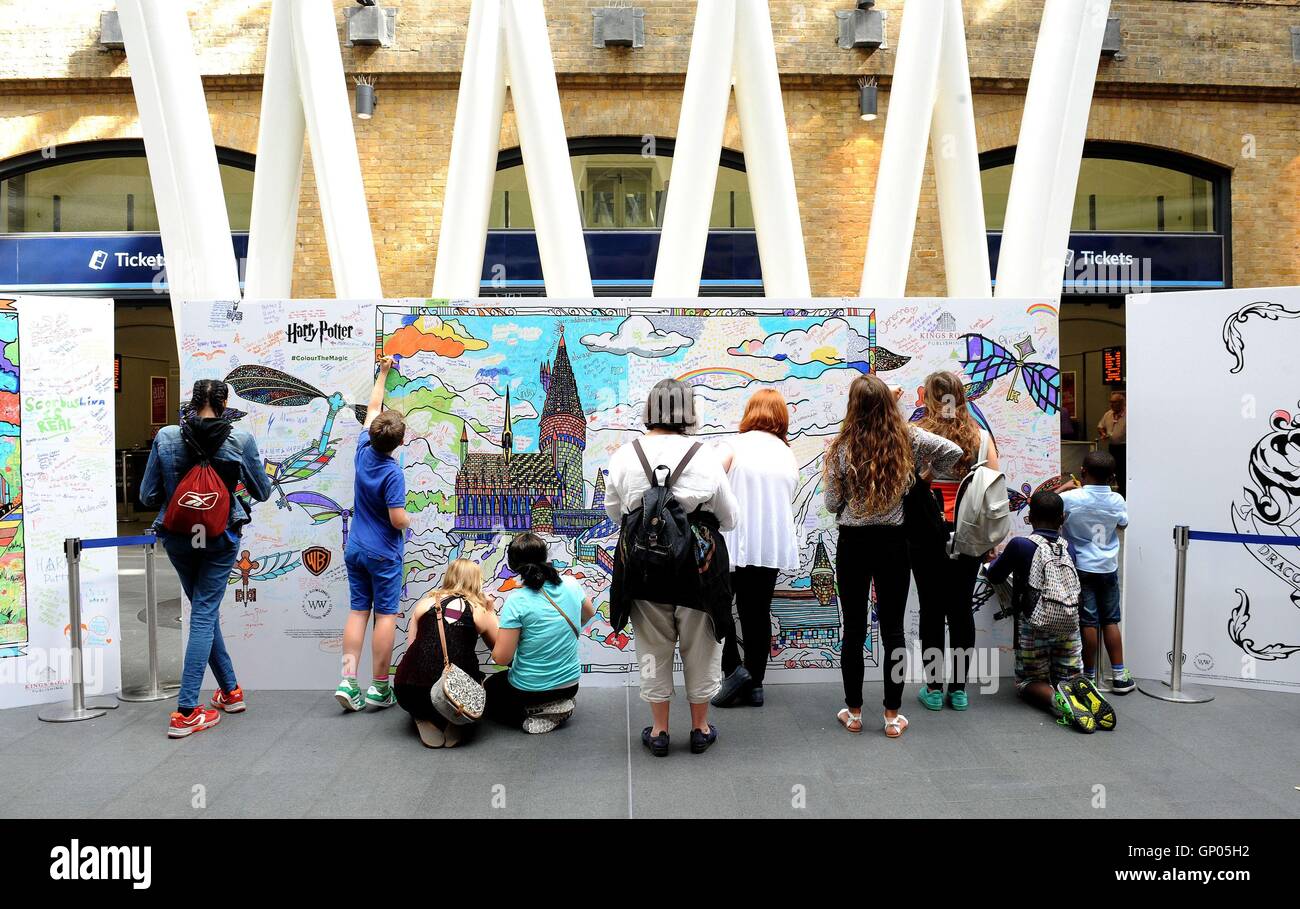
[945, 588]
[865, 554]
[509, 705]
[753, 587]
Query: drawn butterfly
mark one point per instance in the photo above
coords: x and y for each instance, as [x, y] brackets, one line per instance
[1019, 498]
[988, 360]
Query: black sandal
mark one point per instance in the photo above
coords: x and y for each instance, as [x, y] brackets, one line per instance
[658, 744]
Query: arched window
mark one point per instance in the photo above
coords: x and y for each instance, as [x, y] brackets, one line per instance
[94, 187]
[1126, 188]
[622, 184]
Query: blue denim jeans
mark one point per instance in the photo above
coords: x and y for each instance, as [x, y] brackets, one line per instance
[204, 575]
[1098, 599]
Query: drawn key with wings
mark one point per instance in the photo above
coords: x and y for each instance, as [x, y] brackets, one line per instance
[273, 388]
[263, 568]
[986, 360]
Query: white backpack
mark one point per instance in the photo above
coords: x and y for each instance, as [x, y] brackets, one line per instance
[983, 512]
[1054, 578]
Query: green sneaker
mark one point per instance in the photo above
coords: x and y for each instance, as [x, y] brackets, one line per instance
[958, 700]
[349, 695]
[1072, 711]
[1086, 692]
[380, 697]
[933, 700]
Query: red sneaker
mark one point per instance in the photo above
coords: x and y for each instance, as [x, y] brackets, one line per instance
[200, 719]
[232, 702]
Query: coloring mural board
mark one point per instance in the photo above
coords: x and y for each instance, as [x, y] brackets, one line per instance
[567, 379]
[1216, 448]
[56, 481]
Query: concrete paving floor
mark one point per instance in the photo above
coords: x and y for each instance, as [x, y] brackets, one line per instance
[295, 754]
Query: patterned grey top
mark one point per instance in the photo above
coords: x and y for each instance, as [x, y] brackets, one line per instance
[929, 451]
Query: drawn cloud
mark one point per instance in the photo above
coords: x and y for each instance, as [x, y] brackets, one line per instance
[513, 333]
[833, 342]
[429, 334]
[638, 337]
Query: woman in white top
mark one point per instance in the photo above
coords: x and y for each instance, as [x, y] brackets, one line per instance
[696, 628]
[763, 475]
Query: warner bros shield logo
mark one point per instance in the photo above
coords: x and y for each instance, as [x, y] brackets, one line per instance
[316, 559]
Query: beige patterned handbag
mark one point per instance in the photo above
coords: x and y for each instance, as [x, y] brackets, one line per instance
[456, 696]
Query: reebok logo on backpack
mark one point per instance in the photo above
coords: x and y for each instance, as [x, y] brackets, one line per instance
[659, 548]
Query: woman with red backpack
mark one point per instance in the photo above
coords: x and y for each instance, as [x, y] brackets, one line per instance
[193, 470]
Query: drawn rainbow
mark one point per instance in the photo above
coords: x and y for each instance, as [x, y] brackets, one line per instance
[706, 371]
[1044, 308]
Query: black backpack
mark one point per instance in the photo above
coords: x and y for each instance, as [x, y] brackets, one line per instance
[659, 548]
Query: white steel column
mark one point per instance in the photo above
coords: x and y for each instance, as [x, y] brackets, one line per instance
[955, 152]
[182, 156]
[697, 152]
[769, 170]
[1024, 267]
[545, 151]
[273, 228]
[1060, 210]
[467, 201]
[902, 153]
[334, 151]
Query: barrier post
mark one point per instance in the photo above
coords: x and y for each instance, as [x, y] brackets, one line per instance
[1177, 693]
[154, 691]
[77, 709]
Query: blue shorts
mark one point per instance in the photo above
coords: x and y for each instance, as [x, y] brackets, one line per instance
[373, 583]
[1098, 599]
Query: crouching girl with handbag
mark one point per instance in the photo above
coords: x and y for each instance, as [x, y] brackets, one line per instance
[438, 681]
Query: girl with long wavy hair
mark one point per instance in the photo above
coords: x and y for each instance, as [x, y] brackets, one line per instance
[946, 585]
[468, 616]
[868, 468]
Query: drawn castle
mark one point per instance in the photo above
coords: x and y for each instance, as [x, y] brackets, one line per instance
[542, 491]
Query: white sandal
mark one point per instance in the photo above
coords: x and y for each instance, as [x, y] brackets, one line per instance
[894, 727]
[847, 717]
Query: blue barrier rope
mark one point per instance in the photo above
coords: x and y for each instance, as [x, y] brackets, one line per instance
[1212, 536]
[115, 542]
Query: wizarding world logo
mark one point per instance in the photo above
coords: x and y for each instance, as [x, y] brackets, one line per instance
[76, 862]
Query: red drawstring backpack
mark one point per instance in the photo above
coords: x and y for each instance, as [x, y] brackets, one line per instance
[200, 499]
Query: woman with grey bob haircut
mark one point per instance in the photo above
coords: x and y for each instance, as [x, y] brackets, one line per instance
[698, 624]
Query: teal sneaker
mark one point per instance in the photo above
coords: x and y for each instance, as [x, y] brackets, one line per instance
[933, 700]
[958, 700]
[349, 695]
[380, 697]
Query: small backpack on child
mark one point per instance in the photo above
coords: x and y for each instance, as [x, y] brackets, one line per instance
[1055, 581]
[983, 510]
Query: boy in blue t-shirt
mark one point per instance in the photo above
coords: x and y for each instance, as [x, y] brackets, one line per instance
[374, 551]
[1094, 514]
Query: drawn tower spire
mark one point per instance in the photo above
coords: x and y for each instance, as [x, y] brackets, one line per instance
[564, 427]
[823, 575]
[598, 497]
[507, 434]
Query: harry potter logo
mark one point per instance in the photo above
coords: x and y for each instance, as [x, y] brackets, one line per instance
[313, 332]
[316, 559]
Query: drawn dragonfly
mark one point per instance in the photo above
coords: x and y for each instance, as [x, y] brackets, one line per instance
[264, 385]
[322, 509]
[263, 568]
[986, 361]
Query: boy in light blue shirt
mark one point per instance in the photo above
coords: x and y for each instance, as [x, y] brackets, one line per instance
[1094, 515]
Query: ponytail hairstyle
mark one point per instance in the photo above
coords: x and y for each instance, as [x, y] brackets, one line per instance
[529, 558]
[209, 393]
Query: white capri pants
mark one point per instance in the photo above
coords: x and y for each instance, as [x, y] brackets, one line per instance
[659, 628]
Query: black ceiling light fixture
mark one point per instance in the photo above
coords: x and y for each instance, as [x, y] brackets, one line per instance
[366, 100]
[867, 98]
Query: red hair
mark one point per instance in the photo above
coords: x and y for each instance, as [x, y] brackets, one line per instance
[766, 411]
